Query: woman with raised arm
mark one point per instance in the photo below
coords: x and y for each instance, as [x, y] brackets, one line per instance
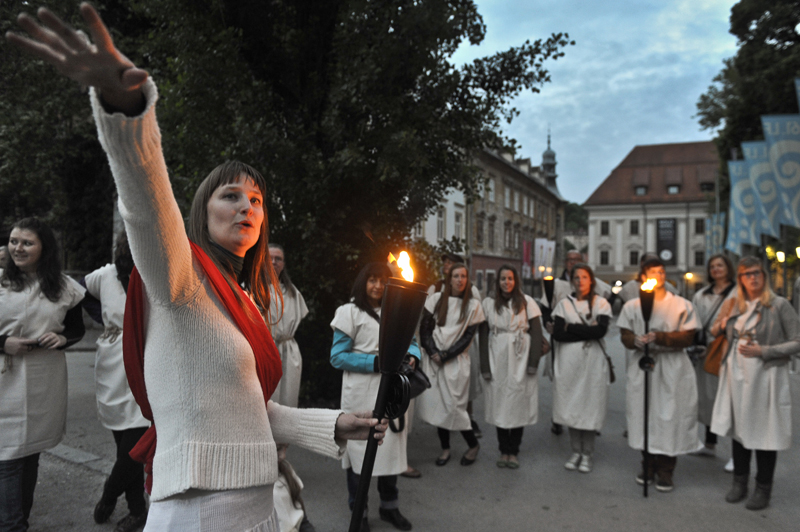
[211, 363]
[40, 315]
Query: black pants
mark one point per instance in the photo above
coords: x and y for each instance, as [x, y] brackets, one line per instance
[765, 462]
[17, 483]
[127, 476]
[711, 438]
[387, 490]
[469, 436]
[509, 440]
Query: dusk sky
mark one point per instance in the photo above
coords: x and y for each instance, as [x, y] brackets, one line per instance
[633, 77]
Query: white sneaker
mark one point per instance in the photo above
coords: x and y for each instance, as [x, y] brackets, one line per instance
[729, 466]
[586, 463]
[572, 463]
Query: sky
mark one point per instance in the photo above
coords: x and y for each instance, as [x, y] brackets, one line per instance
[633, 77]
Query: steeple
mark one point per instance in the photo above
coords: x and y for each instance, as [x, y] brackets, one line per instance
[549, 165]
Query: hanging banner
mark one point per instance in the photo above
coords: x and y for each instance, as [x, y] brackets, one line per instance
[782, 133]
[763, 179]
[667, 240]
[743, 213]
[527, 269]
[539, 256]
[715, 234]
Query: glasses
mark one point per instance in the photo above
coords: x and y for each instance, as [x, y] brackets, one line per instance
[752, 275]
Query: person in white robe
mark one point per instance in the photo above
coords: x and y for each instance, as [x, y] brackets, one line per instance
[754, 400]
[672, 413]
[449, 322]
[40, 315]
[510, 348]
[582, 369]
[356, 329]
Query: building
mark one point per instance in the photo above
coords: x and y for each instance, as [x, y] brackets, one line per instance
[656, 200]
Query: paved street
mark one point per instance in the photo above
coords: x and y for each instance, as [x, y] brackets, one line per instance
[541, 495]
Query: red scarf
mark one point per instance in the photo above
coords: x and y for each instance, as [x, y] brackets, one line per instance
[268, 360]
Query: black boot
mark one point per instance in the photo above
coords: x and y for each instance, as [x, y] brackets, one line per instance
[739, 489]
[393, 516]
[760, 498]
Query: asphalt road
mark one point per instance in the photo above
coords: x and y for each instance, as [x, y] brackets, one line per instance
[540, 495]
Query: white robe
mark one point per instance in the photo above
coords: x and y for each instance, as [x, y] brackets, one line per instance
[512, 396]
[445, 404]
[116, 407]
[673, 388]
[753, 404]
[581, 375]
[290, 517]
[283, 331]
[360, 390]
[33, 391]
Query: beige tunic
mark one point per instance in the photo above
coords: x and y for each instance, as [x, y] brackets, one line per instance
[512, 396]
[673, 389]
[445, 404]
[283, 331]
[581, 375]
[33, 391]
[360, 390]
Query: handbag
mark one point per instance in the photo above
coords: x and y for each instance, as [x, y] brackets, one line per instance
[418, 382]
[715, 354]
[698, 348]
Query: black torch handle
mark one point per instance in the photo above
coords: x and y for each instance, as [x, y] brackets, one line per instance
[369, 456]
[646, 415]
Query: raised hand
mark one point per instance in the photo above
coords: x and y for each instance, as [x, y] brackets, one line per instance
[99, 65]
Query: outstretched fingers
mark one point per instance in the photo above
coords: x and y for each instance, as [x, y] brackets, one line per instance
[100, 35]
[43, 43]
[68, 37]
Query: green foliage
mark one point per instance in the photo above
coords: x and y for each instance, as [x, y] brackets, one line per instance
[568, 245]
[575, 217]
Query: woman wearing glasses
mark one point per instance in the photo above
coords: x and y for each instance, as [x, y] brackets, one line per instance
[754, 402]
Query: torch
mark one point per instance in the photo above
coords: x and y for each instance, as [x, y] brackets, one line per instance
[549, 283]
[646, 363]
[402, 304]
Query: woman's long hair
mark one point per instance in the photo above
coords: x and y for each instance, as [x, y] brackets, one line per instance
[257, 274]
[48, 270]
[440, 311]
[123, 260]
[741, 292]
[359, 291]
[284, 275]
[587, 269]
[518, 302]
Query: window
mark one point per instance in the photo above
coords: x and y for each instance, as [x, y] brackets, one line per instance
[604, 228]
[699, 258]
[524, 205]
[419, 230]
[489, 282]
[507, 197]
[479, 280]
[673, 189]
[516, 239]
[490, 236]
[516, 201]
[440, 225]
[699, 226]
[507, 236]
[634, 227]
[479, 232]
[706, 187]
[634, 258]
[457, 224]
[641, 190]
[490, 189]
[604, 258]
[531, 212]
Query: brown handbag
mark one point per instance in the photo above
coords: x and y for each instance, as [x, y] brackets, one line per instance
[715, 353]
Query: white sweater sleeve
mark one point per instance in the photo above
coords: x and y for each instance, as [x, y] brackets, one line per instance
[311, 428]
[153, 221]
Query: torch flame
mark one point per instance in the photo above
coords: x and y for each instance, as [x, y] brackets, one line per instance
[548, 278]
[404, 263]
[650, 285]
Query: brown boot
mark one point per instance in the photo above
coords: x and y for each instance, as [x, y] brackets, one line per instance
[739, 489]
[760, 498]
[665, 466]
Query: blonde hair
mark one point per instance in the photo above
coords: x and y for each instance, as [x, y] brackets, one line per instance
[767, 295]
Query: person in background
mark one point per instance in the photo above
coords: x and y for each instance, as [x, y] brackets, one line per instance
[572, 258]
[630, 290]
[3, 256]
[672, 410]
[754, 400]
[511, 345]
[40, 316]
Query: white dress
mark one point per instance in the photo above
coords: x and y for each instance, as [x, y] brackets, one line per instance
[116, 407]
[753, 404]
[581, 375]
[283, 331]
[673, 388]
[360, 390]
[445, 403]
[33, 390]
[512, 396]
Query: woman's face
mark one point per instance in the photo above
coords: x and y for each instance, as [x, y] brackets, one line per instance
[276, 256]
[507, 281]
[719, 271]
[753, 281]
[25, 249]
[375, 290]
[582, 282]
[235, 215]
[458, 281]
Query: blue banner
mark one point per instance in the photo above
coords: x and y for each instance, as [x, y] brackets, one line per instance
[757, 156]
[782, 133]
[745, 211]
[715, 234]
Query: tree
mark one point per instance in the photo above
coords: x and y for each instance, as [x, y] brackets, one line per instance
[350, 108]
[576, 218]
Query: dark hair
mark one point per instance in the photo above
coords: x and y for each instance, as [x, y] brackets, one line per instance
[123, 260]
[284, 275]
[653, 262]
[359, 292]
[48, 270]
[587, 269]
[257, 274]
[518, 302]
[440, 311]
[728, 265]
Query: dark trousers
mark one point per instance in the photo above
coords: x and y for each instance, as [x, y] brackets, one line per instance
[509, 440]
[127, 476]
[661, 464]
[387, 490]
[711, 438]
[17, 483]
[765, 462]
[469, 436]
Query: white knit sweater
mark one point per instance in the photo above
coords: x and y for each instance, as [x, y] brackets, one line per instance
[213, 430]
